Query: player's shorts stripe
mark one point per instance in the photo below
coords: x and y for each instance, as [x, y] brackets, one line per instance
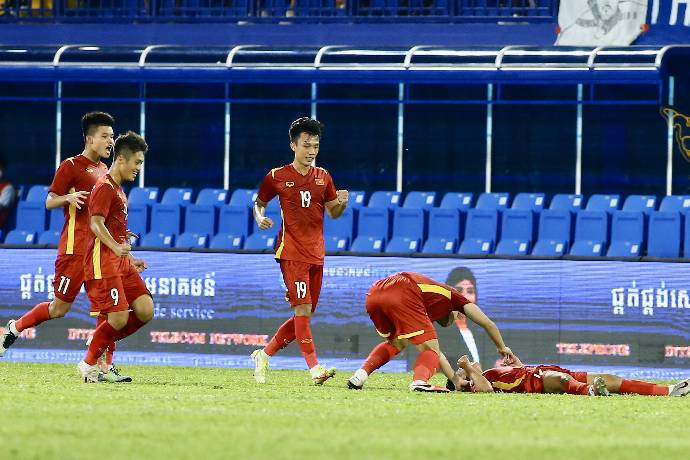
[435, 289]
[96, 258]
[505, 386]
[411, 334]
[388, 334]
[94, 313]
[282, 236]
[70, 226]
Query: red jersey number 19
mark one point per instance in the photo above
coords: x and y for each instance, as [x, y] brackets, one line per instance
[306, 198]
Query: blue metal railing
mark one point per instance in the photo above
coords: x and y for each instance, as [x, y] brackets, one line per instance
[274, 10]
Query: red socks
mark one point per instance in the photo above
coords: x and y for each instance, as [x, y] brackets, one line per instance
[133, 325]
[305, 340]
[643, 388]
[33, 317]
[574, 387]
[283, 337]
[104, 336]
[380, 355]
[426, 365]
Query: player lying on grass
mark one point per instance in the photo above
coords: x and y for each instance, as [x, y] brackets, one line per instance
[518, 378]
[402, 308]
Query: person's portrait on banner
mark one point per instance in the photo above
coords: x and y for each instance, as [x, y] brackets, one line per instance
[600, 22]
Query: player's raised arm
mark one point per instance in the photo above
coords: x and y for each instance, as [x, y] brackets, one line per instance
[474, 313]
[335, 208]
[78, 199]
[474, 373]
[259, 215]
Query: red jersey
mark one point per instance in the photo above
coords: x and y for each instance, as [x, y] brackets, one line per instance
[439, 298]
[108, 200]
[509, 379]
[76, 174]
[302, 200]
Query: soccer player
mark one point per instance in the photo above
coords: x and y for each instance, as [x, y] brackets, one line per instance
[73, 181]
[305, 192]
[402, 308]
[519, 378]
[113, 283]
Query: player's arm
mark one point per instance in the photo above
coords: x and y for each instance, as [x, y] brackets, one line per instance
[335, 208]
[78, 199]
[474, 373]
[474, 313]
[446, 368]
[99, 229]
[260, 215]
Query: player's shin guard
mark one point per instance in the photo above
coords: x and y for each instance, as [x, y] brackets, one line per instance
[34, 317]
[426, 365]
[380, 355]
[283, 337]
[305, 340]
[104, 336]
[643, 388]
[573, 387]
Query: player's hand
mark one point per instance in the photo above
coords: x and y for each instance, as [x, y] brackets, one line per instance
[508, 357]
[343, 196]
[77, 198]
[131, 235]
[122, 250]
[463, 362]
[139, 265]
[265, 223]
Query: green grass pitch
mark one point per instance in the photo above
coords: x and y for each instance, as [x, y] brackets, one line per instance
[200, 413]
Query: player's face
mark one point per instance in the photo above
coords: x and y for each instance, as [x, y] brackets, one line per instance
[607, 8]
[101, 141]
[131, 166]
[306, 147]
[466, 288]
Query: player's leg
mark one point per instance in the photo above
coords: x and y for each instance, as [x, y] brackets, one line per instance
[620, 385]
[427, 363]
[319, 374]
[561, 382]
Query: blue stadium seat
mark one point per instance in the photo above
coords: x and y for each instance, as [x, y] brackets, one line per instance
[686, 236]
[627, 234]
[457, 200]
[166, 219]
[191, 240]
[179, 196]
[608, 203]
[20, 237]
[529, 201]
[32, 216]
[408, 230]
[357, 199]
[480, 232]
[422, 200]
[243, 197]
[158, 240]
[235, 220]
[49, 237]
[260, 241]
[368, 244]
[664, 234]
[497, 201]
[342, 227]
[212, 196]
[336, 243]
[516, 236]
[373, 226]
[226, 241]
[643, 203]
[554, 233]
[678, 203]
[444, 231]
[143, 195]
[138, 219]
[572, 203]
[37, 194]
[200, 218]
[274, 214]
[591, 233]
[57, 218]
[381, 199]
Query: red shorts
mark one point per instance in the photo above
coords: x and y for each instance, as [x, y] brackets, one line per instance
[116, 293]
[303, 282]
[69, 276]
[535, 383]
[397, 310]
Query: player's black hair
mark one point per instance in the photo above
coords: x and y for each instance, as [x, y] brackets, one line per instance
[128, 144]
[307, 125]
[461, 273]
[93, 120]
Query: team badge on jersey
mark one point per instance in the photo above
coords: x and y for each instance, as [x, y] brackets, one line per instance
[319, 182]
[289, 184]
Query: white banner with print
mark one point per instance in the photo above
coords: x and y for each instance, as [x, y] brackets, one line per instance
[600, 22]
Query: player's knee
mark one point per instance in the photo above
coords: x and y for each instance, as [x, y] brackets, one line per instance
[59, 308]
[303, 310]
[143, 308]
[117, 321]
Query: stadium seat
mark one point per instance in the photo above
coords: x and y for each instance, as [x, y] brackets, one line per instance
[191, 240]
[516, 236]
[372, 224]
[480, 232]
[260, 241]
[572, 203]
[444, 231]
[554, 233]
[20, 237]
[678, 203]
[457, 200]
[226, 241]
[57, 218]
[212, 196]
[664, 234]
[235, 220]
[138, 218]
[342, 227]
[497, 201]
[591, 233]
[31, 216]
[49, 237]
[608, 203]
[643, 203]
[200, 218]
[179, 196]
[422, 200]
[357, 199]
[529, 201]
[37, 194]
[388, 200]
[368, 244]
[166, 219]
[627, 234]
[408, 230]
[157, 240]
[686, 236]
[143, 195]
[243, 197]
[336, 243]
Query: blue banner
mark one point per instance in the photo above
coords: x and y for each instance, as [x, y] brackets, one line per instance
[668, 22]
